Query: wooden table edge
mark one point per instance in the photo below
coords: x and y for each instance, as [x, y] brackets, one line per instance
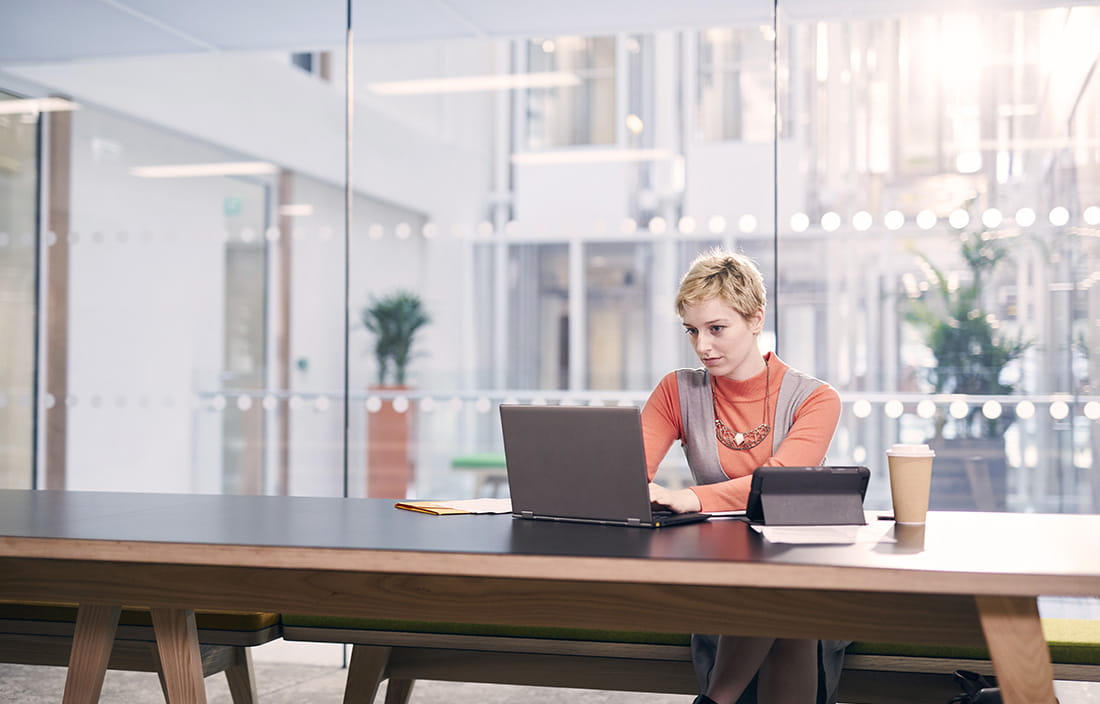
[597, 569]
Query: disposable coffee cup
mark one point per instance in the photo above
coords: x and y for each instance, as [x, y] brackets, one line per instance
[910, 481]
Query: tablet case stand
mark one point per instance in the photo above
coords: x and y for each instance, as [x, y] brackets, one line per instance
[811, 509]
[803, 496]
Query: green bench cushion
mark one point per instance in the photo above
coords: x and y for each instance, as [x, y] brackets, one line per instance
[473, 629]
[138, 616]
[479, 460]
[1071, 641]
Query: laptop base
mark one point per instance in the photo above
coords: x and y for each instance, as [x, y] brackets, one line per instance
[672, 519]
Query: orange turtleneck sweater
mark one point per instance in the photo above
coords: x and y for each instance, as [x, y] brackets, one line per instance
[740, 405]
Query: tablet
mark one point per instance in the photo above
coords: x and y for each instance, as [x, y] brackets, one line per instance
[799, 496]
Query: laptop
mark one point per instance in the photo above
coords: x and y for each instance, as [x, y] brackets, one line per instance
[799, 496]
[580, 463]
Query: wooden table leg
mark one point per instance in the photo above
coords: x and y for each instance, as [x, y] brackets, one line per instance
[1021, 658]
[242, 678]
[180, 660]
[93, 639]
[366, 671]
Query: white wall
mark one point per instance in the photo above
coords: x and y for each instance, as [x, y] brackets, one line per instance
[146, 302]
[569, 198]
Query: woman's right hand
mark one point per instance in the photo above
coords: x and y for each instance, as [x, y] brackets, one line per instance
[679, 501]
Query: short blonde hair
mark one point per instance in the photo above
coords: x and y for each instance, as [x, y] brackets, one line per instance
[728, 276]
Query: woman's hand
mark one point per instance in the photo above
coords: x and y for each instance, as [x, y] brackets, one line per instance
[681, 501]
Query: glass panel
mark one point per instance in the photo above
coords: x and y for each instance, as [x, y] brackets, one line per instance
[18, 196]
[936, 246]
[205, 332]
[548, 272]
[195, 183]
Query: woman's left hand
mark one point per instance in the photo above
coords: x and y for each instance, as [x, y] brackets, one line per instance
[680, 501]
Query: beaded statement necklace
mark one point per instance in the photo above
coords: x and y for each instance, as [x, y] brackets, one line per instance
[736, 440]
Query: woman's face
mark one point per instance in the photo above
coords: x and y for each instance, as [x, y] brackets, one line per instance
[724, 340]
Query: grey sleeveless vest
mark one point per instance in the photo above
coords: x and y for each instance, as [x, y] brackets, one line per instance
[697, 417]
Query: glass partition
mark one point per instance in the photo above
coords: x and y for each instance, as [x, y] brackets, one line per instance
[936, 245]
[192, 177]
[201, 241]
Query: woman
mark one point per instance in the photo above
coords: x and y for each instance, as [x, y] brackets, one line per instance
[742, 410]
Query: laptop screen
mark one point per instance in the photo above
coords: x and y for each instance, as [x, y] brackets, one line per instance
[579, 462]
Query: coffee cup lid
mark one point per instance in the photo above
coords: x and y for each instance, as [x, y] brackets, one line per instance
[908, 450]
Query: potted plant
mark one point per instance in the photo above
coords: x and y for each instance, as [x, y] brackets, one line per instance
[972, 352]
[394, 321]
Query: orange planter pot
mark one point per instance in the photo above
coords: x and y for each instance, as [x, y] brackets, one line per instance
[390, 467]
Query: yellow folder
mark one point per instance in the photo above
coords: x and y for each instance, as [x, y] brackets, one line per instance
[460, 506]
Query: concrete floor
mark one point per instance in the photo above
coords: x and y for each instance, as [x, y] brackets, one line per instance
[298, 673]
[297, 684]
[282, 683]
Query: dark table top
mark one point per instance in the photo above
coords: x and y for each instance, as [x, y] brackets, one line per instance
[1002, 543]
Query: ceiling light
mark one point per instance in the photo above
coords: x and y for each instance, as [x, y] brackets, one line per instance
[591, 156]
[227, 168]
[468, 84]
[11, 107]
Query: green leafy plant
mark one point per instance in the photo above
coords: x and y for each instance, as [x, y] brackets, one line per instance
[394, 320]
[970, 349]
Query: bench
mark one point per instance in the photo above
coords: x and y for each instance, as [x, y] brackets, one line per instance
[38, 633]
[403, 652]
[489, 470]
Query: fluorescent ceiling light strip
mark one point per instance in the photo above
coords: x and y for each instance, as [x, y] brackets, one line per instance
[466, 84]
[591, 156]
[228, 168]
[30, 105]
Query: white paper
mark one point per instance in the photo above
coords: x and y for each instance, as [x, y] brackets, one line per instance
[824, 535]
[478, 505]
